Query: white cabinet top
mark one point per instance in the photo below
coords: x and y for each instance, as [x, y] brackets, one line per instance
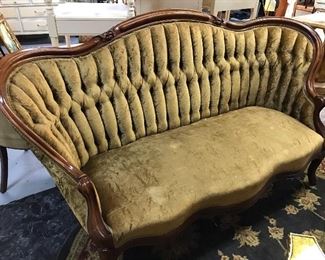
[316, 20]
[90, 11]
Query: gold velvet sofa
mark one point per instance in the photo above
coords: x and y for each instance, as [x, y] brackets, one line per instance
[168, 116]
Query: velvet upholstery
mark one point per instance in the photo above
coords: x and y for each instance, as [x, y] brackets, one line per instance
[151, 186]
[161, 81]
[160, 78]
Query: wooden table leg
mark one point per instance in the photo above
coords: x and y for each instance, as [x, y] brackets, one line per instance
[2, 52]
[67, 40]
[4, 169]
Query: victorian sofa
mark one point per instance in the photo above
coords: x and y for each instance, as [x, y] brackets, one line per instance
[168, 116]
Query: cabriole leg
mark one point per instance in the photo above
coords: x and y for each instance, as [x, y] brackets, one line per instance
[108, 255]
[312, 171]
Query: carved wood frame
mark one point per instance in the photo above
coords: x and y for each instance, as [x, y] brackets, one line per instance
[99, 232]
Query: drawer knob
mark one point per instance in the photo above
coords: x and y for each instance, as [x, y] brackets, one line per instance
[39, 12]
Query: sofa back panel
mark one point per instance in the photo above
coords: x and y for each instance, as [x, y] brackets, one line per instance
[158, 78]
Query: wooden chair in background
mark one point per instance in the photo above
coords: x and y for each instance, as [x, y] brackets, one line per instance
[286, 8]
[8, 135]
[7, 37]
[282, 8]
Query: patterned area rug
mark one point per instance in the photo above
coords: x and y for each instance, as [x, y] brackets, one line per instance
[36, 227]
[261, 232]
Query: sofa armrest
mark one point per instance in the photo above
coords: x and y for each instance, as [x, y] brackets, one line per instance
[82, 198]
[98, 230]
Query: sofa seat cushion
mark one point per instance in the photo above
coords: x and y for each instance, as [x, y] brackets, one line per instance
[151, 186]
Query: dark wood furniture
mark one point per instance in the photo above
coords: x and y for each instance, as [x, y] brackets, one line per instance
[308, 3]
[4, 169]
[2, 52]
[4, 159]
[97, 228]
[281, 9]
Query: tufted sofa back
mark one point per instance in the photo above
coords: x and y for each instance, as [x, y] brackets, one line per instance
[157, 78]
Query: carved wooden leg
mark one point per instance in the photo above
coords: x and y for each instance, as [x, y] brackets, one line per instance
[108, 255]
[4, 169]
[312, 171]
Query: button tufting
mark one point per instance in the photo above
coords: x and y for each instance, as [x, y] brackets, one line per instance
[158, 78]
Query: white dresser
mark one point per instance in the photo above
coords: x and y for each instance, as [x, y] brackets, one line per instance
[320, 4]
[143, 6]
[26, 16]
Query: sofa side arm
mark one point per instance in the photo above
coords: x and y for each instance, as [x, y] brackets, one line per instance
[82, 198]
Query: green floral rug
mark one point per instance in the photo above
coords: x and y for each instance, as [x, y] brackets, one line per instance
[262, 232]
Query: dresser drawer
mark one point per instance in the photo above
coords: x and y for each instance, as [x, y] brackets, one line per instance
[13, 2]
[14, 24]
[34, 24]
[9, 12]
[320, 4]
[39, 11]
